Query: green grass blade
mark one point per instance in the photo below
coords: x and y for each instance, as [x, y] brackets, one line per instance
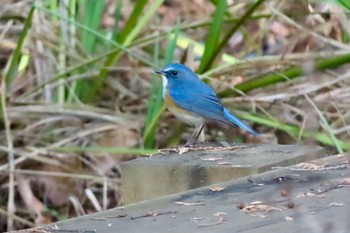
[153, 124]
[80, 91]
[326, 126]
[293, 130]
[213, 35]
[155, 105]
[291, 73]
[172, 39]
[142, 22]
[345, 4]
[184, 41]
[148, 141]
[16, 56]
[85, 90]
[132, 21]
[91, 19]
[99, 36]
[125, 39]
[120, 39]
[117, 17]
[229, 34]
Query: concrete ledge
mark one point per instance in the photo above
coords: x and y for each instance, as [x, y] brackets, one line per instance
[149, 177]
[313, 197]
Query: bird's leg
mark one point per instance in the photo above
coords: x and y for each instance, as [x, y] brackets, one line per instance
[195, 138]
[201, 134]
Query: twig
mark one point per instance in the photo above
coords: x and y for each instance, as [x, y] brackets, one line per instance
[66, 110]
[11, 158]
[153, 213]
[184, 149]
[221, 220]
[123, 215]
[58, 174]
[17, 218]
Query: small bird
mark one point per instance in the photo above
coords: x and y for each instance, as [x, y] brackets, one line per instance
[193, 101]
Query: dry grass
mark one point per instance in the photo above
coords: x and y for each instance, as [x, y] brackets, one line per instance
[55, 98]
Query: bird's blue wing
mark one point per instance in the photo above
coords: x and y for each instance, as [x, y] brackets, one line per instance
[199, 99]
[202, 101]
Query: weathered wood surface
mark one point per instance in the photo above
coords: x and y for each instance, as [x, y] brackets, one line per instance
[313, 197]
[149, 177]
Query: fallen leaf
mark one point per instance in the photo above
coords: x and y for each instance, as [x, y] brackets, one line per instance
[220, 214]
[31, 202]
[306, 195]
[336, 204]
[217, 188]
[310, 166]
[258, 206]
[183, 150]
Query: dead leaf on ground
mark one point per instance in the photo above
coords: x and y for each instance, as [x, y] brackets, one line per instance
[183, 150]
[216, 188]
[220, 214]
[265, 208]
[125, 136]
[344, 182]
[308, 194]
[31, 202]
[336, 204]
[259, 206]
[310, 166]
[58, 189]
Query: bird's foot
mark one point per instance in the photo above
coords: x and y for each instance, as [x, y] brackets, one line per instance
[194, 143]
[190, 143]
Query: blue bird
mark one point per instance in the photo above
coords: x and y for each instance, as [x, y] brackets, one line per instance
[193, 101]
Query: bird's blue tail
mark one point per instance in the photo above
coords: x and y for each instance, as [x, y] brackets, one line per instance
[238, 123]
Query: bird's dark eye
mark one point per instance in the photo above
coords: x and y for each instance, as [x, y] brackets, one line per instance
[174, 73]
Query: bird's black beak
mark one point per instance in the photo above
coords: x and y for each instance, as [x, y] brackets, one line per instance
[161, 72]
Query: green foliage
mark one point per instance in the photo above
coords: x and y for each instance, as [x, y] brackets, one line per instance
[101, 86]
[91, 13]
[345, 4]
[91, 19]
[295, 131]
[88, 39]
[16, 56]
[213, 34]
[214, 52]
[288, 74]
[155, 106]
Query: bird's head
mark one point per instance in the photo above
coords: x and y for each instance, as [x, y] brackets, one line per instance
[176, 72]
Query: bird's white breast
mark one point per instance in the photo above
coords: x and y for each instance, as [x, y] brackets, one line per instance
[165, 83]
